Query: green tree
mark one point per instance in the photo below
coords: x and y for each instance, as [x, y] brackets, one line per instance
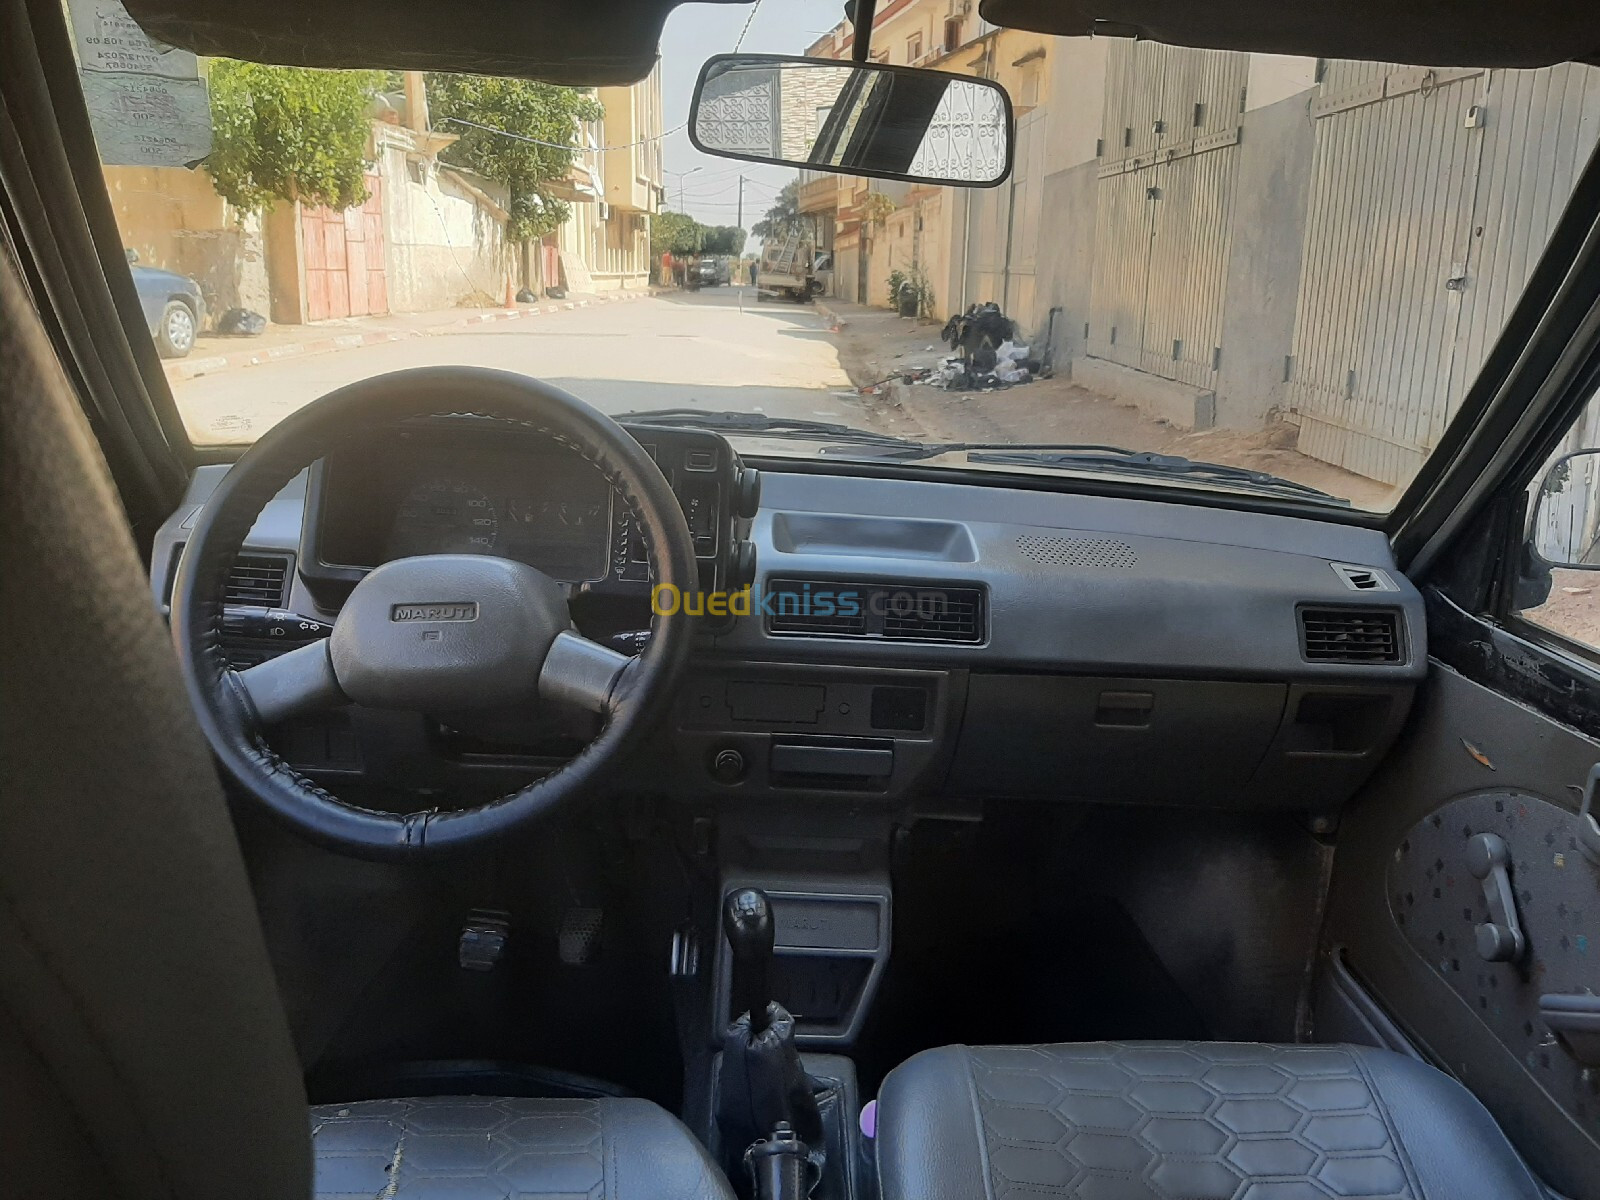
[289, 132]
[676, 233]
[784, 214]
[724, 239]
[524, 109]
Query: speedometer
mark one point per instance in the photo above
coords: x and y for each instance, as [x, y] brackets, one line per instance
[444, 516]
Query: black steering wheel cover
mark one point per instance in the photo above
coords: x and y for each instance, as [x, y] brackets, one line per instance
[294, 444]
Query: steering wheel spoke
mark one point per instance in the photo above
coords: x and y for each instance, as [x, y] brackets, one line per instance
[431, 632]
[578, 671]
[296, 682]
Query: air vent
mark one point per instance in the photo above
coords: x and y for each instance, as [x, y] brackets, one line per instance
[1350, 635]
[1362, 579]
[1077, 551]
[888, 612]
[257, 579]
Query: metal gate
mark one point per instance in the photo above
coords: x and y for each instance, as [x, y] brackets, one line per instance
[1164, 208]
[1433, 192]
[344, 259]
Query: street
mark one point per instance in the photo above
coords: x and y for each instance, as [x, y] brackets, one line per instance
[715, 349]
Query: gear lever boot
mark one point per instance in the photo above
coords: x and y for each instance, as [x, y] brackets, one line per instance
[762, 1082]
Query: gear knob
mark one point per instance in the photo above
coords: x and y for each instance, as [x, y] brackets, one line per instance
[748, 925]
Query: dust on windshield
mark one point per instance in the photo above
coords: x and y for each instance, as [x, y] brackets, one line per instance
[1292, 268]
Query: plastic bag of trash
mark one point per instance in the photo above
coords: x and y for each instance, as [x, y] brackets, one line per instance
[241, 322]
[526, 296]
[1009, 351]
[1007, 371]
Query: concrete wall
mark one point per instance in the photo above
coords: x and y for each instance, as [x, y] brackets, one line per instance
[444, 231]
[1066, 259]
[1264, 265]
[174, 219]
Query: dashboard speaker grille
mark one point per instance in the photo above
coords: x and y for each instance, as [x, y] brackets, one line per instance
[1077, 551]
[257, 579]
[1350, 635]
[888, 612]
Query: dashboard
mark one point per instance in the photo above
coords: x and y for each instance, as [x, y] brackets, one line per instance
[936, 641]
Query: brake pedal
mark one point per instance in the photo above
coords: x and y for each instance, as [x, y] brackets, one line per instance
[579, 940]
[483, 939]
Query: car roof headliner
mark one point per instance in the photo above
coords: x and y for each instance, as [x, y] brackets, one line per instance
[603, 42]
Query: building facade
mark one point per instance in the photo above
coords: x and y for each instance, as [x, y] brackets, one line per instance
[1185, 228]
[429, 236]
[614, 190]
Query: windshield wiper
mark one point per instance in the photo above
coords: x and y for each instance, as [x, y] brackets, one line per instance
[762, 425]
[1147, 462]
[1066, 455]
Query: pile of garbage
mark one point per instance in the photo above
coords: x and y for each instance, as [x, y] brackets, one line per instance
[987, 355]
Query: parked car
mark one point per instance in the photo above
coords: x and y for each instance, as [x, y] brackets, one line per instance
[173, 307]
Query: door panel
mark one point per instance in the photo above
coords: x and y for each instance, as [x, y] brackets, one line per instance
[1404, 907]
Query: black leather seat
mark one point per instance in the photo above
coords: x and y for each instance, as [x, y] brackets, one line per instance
[143, 1046]
[1186, 1121]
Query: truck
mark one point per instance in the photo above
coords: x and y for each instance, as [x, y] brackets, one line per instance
[788, 267]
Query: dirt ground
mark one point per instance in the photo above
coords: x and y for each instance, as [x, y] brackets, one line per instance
[1573, 609]
[878, 345]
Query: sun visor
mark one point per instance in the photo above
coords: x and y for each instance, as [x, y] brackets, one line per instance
[580, 43]
[1445, 33]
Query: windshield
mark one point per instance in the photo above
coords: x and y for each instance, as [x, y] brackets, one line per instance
[1246, 273]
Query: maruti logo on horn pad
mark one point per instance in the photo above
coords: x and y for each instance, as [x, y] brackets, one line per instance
[457, 610]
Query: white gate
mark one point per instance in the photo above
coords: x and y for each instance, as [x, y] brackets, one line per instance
[1164, 208]
[1433, 191]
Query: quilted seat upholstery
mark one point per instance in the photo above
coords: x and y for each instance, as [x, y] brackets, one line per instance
[1186, 1121]
[485, 1148]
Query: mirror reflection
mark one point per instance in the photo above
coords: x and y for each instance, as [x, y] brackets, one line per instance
[1566, 519]
[854, 118]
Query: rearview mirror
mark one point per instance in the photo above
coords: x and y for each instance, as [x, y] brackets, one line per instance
[1565, 531]
[853, 119]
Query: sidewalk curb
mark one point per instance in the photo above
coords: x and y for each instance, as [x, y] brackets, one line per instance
[192, 368]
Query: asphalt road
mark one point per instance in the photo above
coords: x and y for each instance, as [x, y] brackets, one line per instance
[716, 349]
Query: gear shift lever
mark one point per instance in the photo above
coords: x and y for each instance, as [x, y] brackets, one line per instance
[762, 1087]
[747, 922]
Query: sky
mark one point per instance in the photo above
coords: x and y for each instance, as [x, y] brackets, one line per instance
[694, 32]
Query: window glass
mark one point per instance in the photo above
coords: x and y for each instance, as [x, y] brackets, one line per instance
[1232, 272]
[1562, 553]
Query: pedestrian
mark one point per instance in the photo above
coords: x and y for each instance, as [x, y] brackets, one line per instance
[752, 272]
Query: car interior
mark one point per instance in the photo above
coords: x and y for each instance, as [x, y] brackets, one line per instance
[768, 826]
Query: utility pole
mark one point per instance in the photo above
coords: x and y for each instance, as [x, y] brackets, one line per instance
[682, 175]
[740, 221]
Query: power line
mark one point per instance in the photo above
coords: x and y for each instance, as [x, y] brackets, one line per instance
[746, 28]
[522, 137]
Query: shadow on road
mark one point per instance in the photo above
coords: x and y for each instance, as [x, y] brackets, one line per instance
[743, 299]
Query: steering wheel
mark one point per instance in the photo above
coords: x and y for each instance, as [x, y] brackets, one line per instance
[430, 633]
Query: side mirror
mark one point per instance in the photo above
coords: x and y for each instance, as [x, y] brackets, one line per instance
[848, 118]
[132, 254]
[1565, 529]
